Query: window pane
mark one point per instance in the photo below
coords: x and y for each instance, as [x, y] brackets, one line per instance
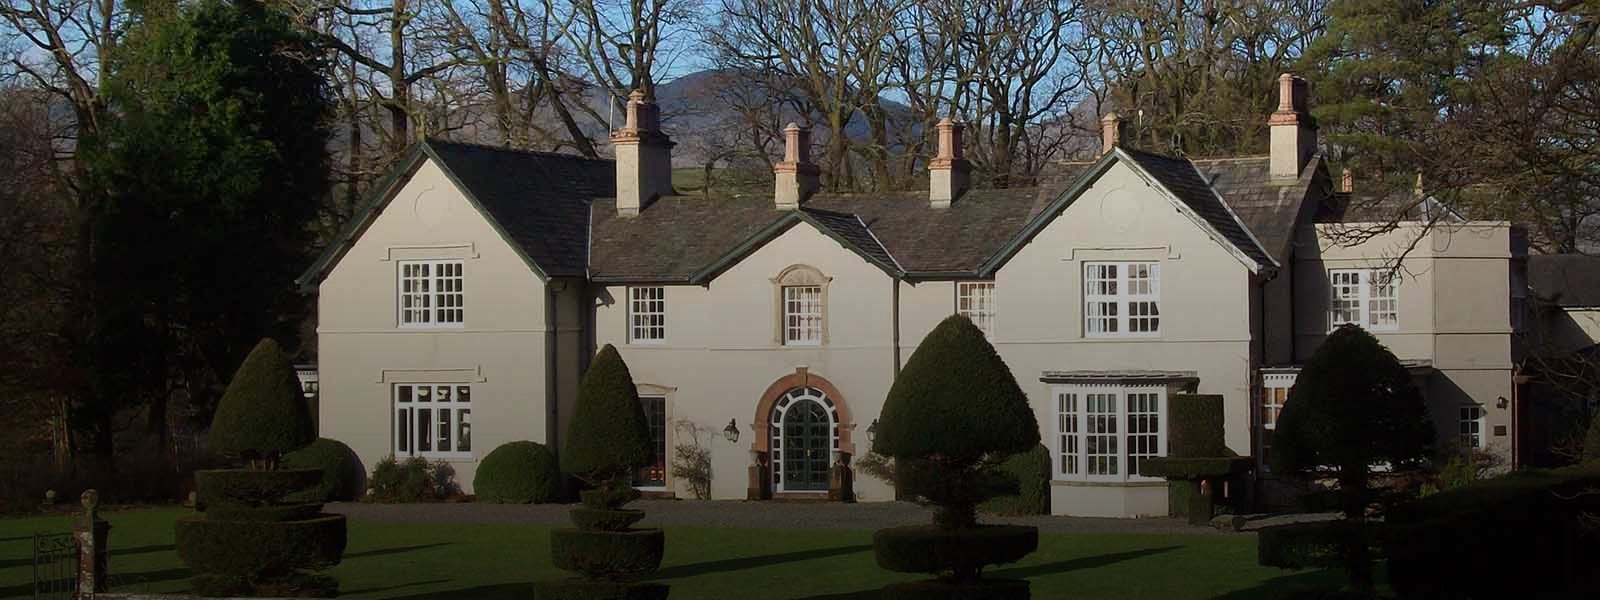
[1144, 428]
[802, 314]
[1069, 443]
[446, 428]
[464, 435]
[1101, 436]
[424, 430]
[402, 431]
[655, 416]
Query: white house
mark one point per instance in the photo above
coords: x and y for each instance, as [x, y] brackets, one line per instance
[458, 311]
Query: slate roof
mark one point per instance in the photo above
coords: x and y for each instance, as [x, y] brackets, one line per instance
[1183, 179]
[1270, 210]
[560, 211]
[541, 199]
[1565, 280]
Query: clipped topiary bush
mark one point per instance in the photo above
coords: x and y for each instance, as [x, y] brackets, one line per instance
[1353, 406]
[518, 473]
[258, 536]
[342, 476]
[263, 414]
[606, 442]
[1198, 461]
[1032, 471]
[952, 417]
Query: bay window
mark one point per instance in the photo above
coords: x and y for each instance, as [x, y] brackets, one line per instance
[433, 420]
[1104, 432]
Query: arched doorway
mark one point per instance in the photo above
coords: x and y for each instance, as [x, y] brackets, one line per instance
[805, 433]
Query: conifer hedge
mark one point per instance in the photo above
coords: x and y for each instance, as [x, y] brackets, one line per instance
[518, 473]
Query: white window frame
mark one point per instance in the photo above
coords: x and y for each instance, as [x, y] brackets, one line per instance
[666, 442]
[1074, 426]
[803, 315]
[1472, 426]
[975, 300]
[407, 408]
[647, 315]
[1121, 299]
[1367, 306]
[437, 291]
[1274, 395]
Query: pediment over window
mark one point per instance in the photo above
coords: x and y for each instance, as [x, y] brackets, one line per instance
[801, 275]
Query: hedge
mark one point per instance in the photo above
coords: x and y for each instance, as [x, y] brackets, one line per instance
[584, 589]
[518, 473]
[251, 487]
[411, 480]
[1527, 528]
[928, 549]
[263, 413]
[1194, 468]
[1317, 544]
[1032, 471]
[263, 514]
[342, 476]
[985, 589]
[607, 554]
[608, 436]
[1195, 428]
[251, 548]
[595, 519]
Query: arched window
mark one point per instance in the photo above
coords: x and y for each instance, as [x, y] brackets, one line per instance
[801, 307]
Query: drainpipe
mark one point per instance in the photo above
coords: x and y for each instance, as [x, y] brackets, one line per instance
[894, 314]
[553, 363]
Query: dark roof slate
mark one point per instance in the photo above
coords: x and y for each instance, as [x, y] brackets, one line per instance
[927, 240]
[1566, 280]
[1182, 178]
[1271, 210]
[541, 199]
[854, 233]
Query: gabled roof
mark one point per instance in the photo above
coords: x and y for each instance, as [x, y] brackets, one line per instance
[558, 211]
[537, 201]
[1178, 178]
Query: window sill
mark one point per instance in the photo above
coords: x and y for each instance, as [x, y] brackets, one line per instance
[1120, 338]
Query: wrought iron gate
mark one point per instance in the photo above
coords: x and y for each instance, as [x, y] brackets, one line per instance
[55, 566]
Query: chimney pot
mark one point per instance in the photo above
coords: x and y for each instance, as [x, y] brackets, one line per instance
[1347, 182]
[643, 156]
[1294, 132]
[949, 173]
[1110, 132]
[795, 178]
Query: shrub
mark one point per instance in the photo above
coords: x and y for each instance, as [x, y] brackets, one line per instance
[518, 473]
[925, 549]
[596, 519]
[255, 548]
[691, 463]
[607, 554]
[1315, 545]
[1032, 471]
[411, 480]
[608, 436]
[1195, 429]
[251, 487]
[1353, 405]
[954, 407]
[1527, 528]
[263, 413]
[341, 470]
[1591, 442]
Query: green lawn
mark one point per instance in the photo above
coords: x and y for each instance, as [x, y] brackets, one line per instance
[494, 561]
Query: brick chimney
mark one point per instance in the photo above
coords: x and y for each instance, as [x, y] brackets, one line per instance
[797, 178]
[949, 173]
[1294, 132]
[644, 157]
[1110, 132]
[1347, 181]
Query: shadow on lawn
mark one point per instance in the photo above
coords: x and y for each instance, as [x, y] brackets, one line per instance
[1299, 586]
[503, 591]
[394, 550]
[1062, 566]
[125, 582]
[751, 562]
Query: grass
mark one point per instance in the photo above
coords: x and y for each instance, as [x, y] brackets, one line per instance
[394, 560]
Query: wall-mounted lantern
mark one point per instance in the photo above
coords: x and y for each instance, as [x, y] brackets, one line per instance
[731, 432]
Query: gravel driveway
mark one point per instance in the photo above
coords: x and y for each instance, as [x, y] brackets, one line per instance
[752, 515]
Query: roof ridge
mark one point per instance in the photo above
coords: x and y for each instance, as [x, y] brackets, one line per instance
[543, 153]
[1232, 158]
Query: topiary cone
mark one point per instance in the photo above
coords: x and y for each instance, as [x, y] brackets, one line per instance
[263, 413]
[608, 436]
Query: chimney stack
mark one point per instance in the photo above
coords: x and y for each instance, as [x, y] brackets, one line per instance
[644, 156]
[1294, 132]
[949, 173]
[797, 177]
[1110, 132]
[1347, 182]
